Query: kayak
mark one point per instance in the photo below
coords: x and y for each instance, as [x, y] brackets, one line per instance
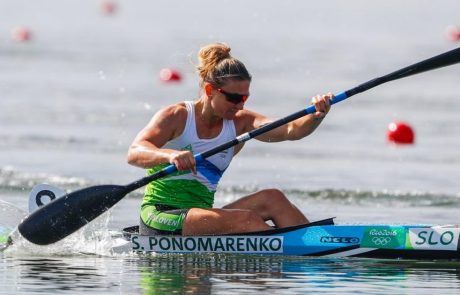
[322, 238]
[318, 239]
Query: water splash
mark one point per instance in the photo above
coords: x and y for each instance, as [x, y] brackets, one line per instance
[96, 238]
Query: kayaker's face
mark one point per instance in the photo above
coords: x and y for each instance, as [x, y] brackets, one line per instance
[230, 98]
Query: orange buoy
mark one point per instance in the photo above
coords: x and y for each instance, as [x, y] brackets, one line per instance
[400, 133]
[108, 7]
[21, 34]
[169, 75]
[453, 33]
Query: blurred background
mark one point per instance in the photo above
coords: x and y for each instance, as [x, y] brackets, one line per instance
[79, 79]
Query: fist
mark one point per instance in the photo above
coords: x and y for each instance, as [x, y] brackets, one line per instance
[183, 160]
[322, 104]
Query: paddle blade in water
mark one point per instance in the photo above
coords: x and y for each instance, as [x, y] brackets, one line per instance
[67, 214]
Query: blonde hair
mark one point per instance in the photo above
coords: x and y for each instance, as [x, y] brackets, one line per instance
[217, 66]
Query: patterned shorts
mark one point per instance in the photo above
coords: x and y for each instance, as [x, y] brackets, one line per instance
[162, 219]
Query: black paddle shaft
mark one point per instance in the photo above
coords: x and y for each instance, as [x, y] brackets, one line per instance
[67, 214]
[443, 60]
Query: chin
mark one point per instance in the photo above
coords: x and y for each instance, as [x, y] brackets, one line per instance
[231, 115]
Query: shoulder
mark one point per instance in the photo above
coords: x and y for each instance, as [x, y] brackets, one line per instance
[170, 119]
[171, 115]
[175, 111]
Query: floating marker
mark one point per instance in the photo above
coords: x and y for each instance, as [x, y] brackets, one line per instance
[400, 133]
[169, 75]
[453, 33]
[21, 34]
[108, 7]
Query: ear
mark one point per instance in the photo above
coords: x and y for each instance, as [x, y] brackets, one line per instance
[208, 89]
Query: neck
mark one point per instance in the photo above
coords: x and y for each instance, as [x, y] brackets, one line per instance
[205, 112]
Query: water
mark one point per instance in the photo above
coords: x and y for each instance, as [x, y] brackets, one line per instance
[233, 274]
[73, 98]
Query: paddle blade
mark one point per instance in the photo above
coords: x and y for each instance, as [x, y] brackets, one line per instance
[67, 214]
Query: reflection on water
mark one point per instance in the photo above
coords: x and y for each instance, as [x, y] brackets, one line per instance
[198, 273]
[46, 275]
[223, 274]
[246, 274]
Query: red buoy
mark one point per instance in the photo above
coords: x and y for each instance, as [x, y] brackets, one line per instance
[108, 7]
[400, 133]
[169, 75]
[453, 33]
[21, 34]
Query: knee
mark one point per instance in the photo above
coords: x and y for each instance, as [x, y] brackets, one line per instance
[276, 197]
[276, 202]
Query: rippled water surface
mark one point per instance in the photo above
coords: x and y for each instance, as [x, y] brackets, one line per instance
[73, 98]
[227, 274]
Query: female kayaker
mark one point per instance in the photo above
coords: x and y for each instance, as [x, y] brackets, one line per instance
[182, 203]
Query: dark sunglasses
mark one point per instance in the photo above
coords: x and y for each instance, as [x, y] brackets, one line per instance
[233, 97]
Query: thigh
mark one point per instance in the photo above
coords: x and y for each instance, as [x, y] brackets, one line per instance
[154, 221]
[262, 202]
[221, 221]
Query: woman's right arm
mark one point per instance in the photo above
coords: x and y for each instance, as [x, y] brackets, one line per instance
[146, 150]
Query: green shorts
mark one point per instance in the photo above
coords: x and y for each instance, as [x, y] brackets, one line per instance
[162, 219]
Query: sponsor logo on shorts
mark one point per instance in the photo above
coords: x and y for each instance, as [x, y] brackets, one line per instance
[339, 240]
[165, 221]
[228, 244]
[433, 238]
[384, 237]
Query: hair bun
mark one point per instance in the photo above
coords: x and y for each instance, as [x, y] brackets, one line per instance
[210, 56]
[216, 65]
[214, 51]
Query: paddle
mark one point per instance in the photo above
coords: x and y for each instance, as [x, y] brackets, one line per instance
[67, 214]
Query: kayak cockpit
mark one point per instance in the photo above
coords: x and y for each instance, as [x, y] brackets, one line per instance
[134, 230]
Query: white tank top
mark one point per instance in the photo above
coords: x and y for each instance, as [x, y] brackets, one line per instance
[210, 170]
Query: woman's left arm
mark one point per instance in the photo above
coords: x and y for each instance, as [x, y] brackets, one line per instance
[296, 129]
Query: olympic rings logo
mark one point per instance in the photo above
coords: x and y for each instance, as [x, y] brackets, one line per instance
[381, 241]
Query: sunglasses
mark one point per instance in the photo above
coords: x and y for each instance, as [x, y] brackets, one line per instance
[234, 97]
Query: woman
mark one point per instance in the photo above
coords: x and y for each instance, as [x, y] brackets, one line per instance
[182, 202]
